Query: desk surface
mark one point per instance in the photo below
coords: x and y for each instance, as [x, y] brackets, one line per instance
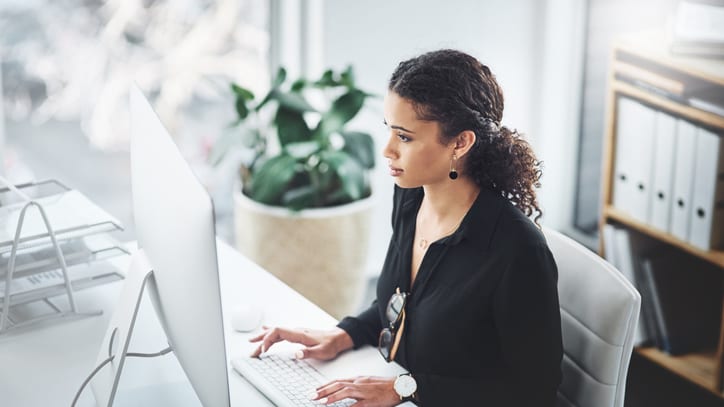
[45, 366]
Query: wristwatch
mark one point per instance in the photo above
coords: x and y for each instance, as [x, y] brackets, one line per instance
[405, 386]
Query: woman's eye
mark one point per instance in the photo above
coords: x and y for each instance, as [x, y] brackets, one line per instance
[403, 138]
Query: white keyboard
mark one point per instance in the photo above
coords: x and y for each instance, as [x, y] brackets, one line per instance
[284, 380]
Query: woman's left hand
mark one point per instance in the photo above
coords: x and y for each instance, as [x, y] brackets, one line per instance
[368, 391]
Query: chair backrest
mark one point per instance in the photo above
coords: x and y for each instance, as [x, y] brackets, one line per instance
[599, 313]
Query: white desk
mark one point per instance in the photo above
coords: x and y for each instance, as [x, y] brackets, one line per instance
[45, 366]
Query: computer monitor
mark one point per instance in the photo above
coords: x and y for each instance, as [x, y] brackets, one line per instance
[177, 263]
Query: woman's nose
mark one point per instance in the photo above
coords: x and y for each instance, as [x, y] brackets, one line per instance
[390, 150]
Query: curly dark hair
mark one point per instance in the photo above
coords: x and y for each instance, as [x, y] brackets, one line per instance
[460, 93]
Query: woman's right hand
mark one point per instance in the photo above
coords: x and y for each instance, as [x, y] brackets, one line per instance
[318, 344]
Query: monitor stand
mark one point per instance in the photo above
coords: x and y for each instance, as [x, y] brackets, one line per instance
[119, 331]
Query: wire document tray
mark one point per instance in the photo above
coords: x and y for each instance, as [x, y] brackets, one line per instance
[53, 242]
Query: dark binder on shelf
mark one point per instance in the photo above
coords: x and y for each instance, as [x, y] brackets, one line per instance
[627, 249]
[648, 318]
[686, 296]
[650, 299]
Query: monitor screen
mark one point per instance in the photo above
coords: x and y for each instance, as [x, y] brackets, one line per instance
[174, 219]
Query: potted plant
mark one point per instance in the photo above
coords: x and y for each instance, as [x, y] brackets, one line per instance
[303, 207]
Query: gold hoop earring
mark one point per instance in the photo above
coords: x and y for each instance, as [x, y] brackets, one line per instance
[453, 172]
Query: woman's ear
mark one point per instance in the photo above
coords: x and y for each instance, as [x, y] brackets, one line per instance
[463, 142]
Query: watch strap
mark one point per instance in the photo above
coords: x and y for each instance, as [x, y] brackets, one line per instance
[412, 398]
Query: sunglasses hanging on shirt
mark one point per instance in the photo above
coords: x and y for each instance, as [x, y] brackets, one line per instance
[389, 339]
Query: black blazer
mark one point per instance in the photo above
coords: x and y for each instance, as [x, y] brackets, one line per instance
[483, 322]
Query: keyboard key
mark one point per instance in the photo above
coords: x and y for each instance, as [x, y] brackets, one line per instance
[286, 381]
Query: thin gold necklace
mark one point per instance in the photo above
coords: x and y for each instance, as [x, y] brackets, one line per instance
[424, 243]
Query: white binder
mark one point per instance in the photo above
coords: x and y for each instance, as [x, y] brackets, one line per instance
[663, 171]
[683, 177]
[626, 110]
[634, 143]
[642, 163]
[707, 210]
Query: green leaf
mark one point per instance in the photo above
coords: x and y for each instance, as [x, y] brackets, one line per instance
[242, 110]
[291, 126]
[330, 80]
[303, 149]
[243, 93]
[243, 96]
[280, 77]
[322, 176]
[293, 101]
[360, 146]
[299, 85]
[347, 77]
[343, 110]
[270, 181]
[327, 80]
[269, 96]
[300, 198]
[258, 163]
[349, 172]
[337, 197]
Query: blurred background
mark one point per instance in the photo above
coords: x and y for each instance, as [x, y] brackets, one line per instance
[66, 66]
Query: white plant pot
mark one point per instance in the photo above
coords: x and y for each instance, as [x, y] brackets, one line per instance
[321, 253]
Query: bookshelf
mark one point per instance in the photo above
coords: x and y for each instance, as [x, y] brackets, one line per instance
[615, 215]
[643, 70]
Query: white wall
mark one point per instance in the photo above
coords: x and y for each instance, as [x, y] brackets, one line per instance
[2, 124]
[511, 37]
[559, 79]
[375, 35]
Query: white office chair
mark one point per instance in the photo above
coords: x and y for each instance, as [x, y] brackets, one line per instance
[599, 313]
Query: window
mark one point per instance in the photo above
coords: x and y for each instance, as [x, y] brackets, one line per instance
[67, 65]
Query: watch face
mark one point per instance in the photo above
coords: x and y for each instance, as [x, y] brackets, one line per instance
[405, 385]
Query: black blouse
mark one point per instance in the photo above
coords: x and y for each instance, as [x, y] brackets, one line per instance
[483, 323]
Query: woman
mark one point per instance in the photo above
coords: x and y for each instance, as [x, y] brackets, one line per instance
[467, 299]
